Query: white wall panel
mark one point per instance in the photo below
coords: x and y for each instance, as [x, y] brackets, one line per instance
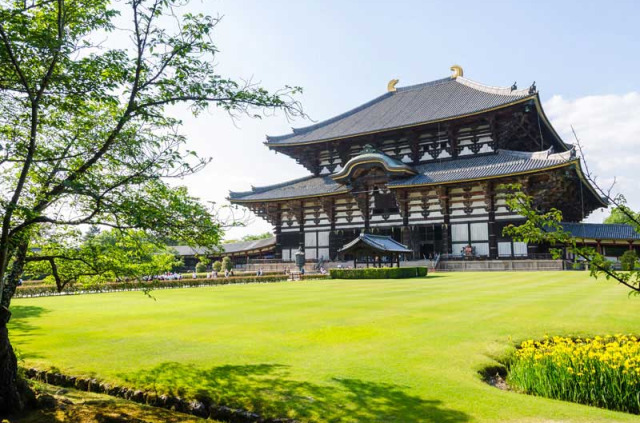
[460, 232]
[519, 249]
[479, 231]
[504, 249]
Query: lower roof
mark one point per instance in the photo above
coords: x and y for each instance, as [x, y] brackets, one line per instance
[486, 166]
[230, 248]
[602, 231]
[379, 243]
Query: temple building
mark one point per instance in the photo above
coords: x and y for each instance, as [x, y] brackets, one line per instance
[425, 165]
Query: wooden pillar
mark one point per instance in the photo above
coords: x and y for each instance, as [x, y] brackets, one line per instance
[630, 245]
[301, 224]
[443, 195]
[598, 246]
[366, 214]
[277, 254]
[490, 197]
[404, 211]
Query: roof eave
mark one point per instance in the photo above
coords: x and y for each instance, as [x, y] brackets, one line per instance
[275, 146]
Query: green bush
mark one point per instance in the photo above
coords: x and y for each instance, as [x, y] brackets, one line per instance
[379, 273]
[629, 260]
[226, 263]
[217, 266]
[201, 267]
[49, 289]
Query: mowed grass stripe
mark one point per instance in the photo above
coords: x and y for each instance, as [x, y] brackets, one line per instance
[376, 350]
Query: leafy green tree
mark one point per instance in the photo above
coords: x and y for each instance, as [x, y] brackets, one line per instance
[111, 255]
[629, 260]
[544, 227]
[226, 263]
[86, 137]
[202, 264]
[623, 214]
[264, 235]
[217, 266]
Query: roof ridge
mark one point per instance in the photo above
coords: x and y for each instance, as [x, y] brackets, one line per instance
[491, 89]
[305, 129]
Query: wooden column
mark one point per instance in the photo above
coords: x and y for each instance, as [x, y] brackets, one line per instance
[490, 207]
[277, 230]
[443, 197]
[404, 207]
[301, 224]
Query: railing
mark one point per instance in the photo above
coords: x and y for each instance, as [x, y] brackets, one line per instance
[530, 256]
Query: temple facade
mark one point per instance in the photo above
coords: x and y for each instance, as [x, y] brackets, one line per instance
[424, 164]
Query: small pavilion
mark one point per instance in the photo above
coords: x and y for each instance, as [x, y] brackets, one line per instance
[376, 246]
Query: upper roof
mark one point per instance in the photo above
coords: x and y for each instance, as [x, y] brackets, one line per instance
[384, 244]
[502, 163]
[601, 231]
[408, 106]
[232, 247]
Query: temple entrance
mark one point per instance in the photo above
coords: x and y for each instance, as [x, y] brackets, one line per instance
[430, 240]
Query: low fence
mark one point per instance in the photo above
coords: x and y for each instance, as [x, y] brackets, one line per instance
[499, 265]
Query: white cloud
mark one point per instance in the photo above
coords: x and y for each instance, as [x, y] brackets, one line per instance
[609, 130]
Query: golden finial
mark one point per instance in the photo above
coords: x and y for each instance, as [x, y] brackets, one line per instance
[391, 86]
[457, 71]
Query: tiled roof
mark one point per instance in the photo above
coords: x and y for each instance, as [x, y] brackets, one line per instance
[417, 104]
[308, 186]
[504, 162]
[379, 243]
[601, 231]
[232, 247]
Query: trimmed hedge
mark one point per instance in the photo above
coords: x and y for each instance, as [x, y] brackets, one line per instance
[379, 273]
[49, 289]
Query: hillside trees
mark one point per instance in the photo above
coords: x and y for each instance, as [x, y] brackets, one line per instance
[85, 134]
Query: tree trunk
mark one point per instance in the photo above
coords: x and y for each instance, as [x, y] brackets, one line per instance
[15, 394]
[11, 390]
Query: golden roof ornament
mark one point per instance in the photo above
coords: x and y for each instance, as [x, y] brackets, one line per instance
[457, 71]
[391, 86]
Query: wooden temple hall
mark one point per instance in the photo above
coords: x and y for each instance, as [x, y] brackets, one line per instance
[423, 164]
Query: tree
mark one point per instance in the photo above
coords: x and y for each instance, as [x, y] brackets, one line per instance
[226, 263]
[264, 235]
[202, 264]
[544, 227]
[85, 134]
[623, 214]
[217, 266]
[112, 255]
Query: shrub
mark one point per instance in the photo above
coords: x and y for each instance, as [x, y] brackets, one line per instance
[603, 371]
[217, 266]
[201, 267]
[47, 290]
[379, 273]
[226, 263]
[629, 260]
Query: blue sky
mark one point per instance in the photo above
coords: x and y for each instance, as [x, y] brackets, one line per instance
[584, 57]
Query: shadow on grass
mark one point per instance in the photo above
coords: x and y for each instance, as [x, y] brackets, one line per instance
[269, 390]
[21, 327]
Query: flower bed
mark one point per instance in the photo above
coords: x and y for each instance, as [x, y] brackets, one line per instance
[379, 273]
[600, 371]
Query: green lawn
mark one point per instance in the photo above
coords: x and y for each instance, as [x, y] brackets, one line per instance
[374, 350]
